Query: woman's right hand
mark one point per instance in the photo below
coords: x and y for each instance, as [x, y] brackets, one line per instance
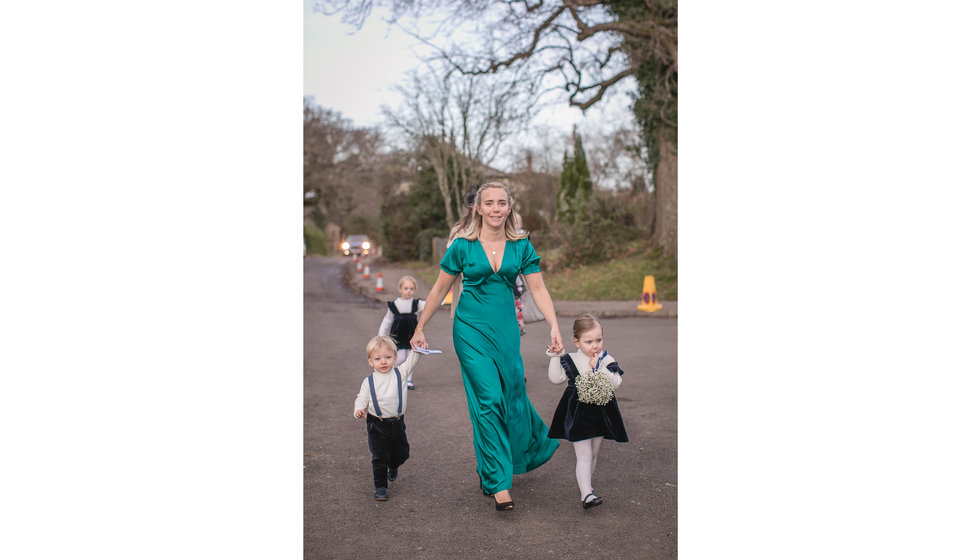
[419, 340]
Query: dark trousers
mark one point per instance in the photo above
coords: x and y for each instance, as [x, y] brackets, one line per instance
[388, 444]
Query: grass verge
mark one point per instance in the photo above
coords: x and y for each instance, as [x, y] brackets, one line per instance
[620, 279]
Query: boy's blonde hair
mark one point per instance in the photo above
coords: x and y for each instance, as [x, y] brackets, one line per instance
[408, 278]
[379, 341]
[583, 324]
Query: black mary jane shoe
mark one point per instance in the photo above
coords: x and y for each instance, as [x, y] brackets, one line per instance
[503, 506]
[593, 503]
[392, 473]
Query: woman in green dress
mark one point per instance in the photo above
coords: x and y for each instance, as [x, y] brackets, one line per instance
[509, 436]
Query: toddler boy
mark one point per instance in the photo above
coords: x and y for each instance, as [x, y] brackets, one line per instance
[382, 401]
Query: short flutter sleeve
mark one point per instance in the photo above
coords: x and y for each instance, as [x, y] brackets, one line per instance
[452, 261]
[530, 261]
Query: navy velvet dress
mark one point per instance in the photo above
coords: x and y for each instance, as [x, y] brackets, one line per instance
[403, 325]
[576, 421]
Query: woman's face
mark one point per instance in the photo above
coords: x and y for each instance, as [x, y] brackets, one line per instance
[494, 206]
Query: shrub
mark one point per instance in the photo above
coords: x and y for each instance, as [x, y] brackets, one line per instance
[423, 241]
[316, 240]
[603, 233]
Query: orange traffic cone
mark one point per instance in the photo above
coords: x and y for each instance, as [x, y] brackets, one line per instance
[381, 286]
[367, 271]
[650, 302]
[360, 265]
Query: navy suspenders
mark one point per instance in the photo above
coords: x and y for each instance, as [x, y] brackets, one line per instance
[374, 395]
[398, 377]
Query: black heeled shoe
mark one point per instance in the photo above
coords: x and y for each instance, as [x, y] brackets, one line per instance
[593, 503]
[503, 506]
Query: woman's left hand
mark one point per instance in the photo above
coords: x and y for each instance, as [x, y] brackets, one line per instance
[419, 340]
[556, 344]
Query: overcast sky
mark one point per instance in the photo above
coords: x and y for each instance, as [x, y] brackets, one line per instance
[352, 71]
[366, 61]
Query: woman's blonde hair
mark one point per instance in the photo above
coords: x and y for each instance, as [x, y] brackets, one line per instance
[583, 324]
[467, 217]
[379, 341]
[469, 226]
[464, 223]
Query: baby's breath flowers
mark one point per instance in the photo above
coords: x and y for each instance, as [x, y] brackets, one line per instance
[594, 388]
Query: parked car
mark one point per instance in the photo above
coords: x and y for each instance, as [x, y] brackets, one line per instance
[356, 245]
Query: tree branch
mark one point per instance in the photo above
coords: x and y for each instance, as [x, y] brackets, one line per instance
[527, 53]
[603, 86]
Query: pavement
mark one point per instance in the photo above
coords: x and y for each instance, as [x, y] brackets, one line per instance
[367, 287]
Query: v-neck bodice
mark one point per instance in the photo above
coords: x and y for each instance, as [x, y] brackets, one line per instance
[469, 258]
[490, 256]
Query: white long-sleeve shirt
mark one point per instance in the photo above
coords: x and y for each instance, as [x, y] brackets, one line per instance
[403, 306]
[386, 387]
[556, 373]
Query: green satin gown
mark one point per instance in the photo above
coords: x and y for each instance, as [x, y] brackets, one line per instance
[509, 436]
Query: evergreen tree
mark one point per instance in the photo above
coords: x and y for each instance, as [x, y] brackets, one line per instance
[576, 184]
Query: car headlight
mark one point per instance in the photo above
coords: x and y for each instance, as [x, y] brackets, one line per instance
[366, 245]
[345, 245]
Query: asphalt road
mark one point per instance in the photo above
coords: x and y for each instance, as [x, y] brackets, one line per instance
[436, 508]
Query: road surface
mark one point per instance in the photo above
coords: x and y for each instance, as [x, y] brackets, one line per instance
[436, 508]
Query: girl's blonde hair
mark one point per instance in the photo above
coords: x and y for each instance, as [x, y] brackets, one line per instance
[469, 226]
[380, 341]
[408, 278]
[583, 324]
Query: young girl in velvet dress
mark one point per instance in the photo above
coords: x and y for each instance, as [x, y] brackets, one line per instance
[582, 423]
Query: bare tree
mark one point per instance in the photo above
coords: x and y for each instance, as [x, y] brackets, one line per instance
[538, 151]
[588, 47]
[458, 124]
[339, 161]
[617, 159]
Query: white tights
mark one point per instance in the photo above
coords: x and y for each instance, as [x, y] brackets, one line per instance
[400, 359]
[586, 455]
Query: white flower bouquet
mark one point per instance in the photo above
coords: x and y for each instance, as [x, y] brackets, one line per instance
[594, 388]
